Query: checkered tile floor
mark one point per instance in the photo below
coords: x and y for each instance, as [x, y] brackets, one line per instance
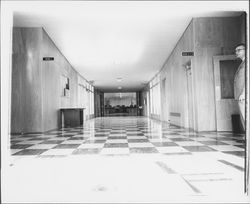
[125, 136]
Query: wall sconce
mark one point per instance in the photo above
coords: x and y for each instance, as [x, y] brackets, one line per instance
[188, 67]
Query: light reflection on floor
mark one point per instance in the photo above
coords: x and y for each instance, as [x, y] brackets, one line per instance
[125, 160]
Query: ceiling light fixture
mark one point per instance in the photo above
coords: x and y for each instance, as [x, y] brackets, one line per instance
[119, 79]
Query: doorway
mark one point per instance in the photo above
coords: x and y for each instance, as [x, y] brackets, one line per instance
[121, 104]
[225, 67]
[164, 100]
[148, 104]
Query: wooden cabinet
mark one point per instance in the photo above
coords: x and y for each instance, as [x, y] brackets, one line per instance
[71, 117]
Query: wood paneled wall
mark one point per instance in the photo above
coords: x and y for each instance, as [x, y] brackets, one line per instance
[36, 84]
[99, 103]
[243, 28]
[176, 83]
[213, 36]
[26, 98]
[207, 37]
[51, 81]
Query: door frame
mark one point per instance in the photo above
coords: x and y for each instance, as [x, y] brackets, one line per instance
[164, 116]
[216, 63]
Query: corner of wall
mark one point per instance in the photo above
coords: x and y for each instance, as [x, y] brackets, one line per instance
[193, 62]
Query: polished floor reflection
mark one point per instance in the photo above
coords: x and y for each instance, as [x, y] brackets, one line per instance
[122, 135]
[109, 159]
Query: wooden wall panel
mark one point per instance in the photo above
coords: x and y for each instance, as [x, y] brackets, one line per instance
[175, 85]
[36, 84]
[213, 36]
[98, 103]
[26, 101]
[243, 28]
[221, 32]
[51, 84]
[207, 37]
[52, 71]
[204, 88]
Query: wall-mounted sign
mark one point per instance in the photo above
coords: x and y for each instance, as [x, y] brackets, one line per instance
[187, 53]
[48, 58]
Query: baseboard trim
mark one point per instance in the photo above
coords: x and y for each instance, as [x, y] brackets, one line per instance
[29, 133]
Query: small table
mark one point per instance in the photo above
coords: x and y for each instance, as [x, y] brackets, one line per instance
[71, 117]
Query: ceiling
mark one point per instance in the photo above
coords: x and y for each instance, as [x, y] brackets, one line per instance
[104, 41]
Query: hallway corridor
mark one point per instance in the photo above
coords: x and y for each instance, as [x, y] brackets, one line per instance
[125, 102]
[127, 159]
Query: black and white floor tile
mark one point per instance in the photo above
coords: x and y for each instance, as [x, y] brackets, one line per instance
[175, 161]
[125, 136]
